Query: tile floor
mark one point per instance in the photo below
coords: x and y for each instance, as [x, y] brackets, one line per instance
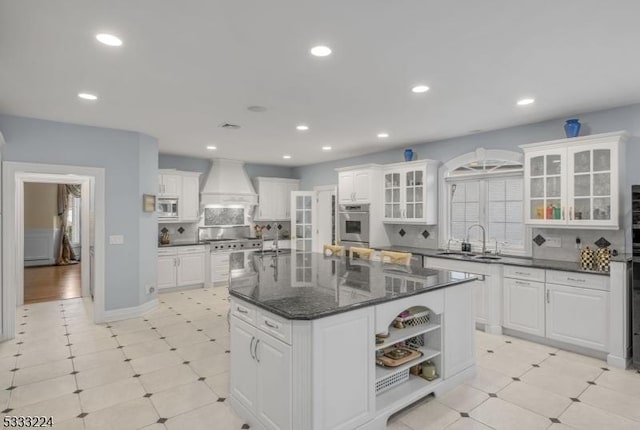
[169, 370]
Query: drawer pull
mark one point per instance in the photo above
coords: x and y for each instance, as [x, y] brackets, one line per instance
[523, 273]
[241, 310]
[268, 324]
[522, 283]
[251, 347]
[576, 280]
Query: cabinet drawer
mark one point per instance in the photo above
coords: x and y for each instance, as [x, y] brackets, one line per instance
[167, 251]
[190, 250]
[584, 280]
[274, 325]
[528, 273]
[244, 311]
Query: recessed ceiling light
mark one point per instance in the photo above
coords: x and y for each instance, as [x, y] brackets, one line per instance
[302, 127]
[109, 39]
[88, 96]
[524, 102]
[326, 148]
[211, 148]
[383, 135]
[320, 51]
[420, 89]
[286, 157]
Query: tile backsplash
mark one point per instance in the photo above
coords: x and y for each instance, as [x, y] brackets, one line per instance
[179, 231]
[415, 236]
[567, 250]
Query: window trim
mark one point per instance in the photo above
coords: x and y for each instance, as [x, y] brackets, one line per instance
[444, 201]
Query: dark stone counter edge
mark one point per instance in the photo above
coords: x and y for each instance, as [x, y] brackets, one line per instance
[323, 314]
[565, 266]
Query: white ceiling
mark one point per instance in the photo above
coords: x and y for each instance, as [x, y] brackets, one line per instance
[187, 66]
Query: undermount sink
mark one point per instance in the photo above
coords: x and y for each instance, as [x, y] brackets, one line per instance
[278, 252]
[486, 257]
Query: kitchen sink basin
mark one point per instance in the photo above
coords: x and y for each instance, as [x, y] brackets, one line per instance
[279, 252]
[486, 257]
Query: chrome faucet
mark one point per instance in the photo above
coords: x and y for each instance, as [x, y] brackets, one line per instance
[484, 237]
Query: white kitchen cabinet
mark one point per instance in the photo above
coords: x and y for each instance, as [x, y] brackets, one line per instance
[579, 316]
[189, 200]
[185, 186]
[274, 198]
[524, 306]
[260, 364]
[169, 184]
[574, 182]
[167, 271]
[355, 186]
[410, 192]
[181, 266]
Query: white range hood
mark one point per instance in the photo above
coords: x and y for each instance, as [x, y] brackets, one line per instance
[228, 185]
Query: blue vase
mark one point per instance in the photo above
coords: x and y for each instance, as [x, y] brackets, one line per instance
[572, 128]
[408, 154]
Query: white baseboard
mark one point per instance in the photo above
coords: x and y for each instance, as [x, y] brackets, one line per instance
[133, 312]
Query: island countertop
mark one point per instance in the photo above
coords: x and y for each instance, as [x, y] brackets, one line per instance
[307, 286]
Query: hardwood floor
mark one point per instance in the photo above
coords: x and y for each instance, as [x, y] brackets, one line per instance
[43, 284]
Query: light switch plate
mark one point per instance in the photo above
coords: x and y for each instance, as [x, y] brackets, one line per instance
[553, 242]
[117, 239]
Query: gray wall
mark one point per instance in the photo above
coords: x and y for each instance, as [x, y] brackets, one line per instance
[203, 165]
[130, 162]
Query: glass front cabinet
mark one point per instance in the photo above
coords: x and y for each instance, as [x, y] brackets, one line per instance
[574, 182]
[410, 192]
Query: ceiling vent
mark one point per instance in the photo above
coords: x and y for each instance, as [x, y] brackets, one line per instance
[229, 126]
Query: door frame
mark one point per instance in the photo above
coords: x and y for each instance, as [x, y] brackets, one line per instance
[14, 175]
[334, 191]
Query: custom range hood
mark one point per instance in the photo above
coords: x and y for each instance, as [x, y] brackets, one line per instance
[228, 185]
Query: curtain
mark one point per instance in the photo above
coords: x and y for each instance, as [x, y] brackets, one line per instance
[65, 252]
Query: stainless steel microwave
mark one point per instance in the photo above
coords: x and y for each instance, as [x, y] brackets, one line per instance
[167, 208]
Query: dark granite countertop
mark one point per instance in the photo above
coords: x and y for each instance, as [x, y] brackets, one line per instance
[568, 266]
[182, 243]
[307, 286]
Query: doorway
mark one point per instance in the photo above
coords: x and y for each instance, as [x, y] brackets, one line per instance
[91, 182]
[52, 241]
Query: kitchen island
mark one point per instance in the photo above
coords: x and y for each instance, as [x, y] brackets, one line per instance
[303, 339]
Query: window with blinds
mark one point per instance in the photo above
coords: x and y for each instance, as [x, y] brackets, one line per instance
[495, 203]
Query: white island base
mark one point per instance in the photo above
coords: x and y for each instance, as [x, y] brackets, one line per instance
[320, 374]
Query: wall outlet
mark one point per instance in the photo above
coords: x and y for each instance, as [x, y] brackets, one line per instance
[149, 289]
[553, 242]
[117, 239]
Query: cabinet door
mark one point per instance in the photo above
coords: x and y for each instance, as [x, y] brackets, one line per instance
[362, 186]
[190, 269]
[578, 316]
[414, 194]
[593, 185]
[243, 364]
[190, 199]
[345, 187]
[166, 272]
[480, 302]
[172, 185]
[545, 187]
[290, 187]
[274, 382]
[160, 186]
[524, 306]
[392, 192]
